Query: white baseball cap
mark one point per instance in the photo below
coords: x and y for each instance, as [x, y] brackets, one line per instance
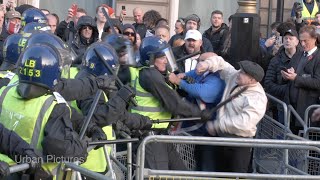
[193, 34]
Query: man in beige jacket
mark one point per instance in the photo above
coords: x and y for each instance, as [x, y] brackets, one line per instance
[239, 117]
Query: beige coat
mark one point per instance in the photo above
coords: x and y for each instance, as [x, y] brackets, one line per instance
[240, 116]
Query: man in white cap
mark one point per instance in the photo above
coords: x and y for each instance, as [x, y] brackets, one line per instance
[193, 43]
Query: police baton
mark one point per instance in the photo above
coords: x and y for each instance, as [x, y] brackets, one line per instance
[18, 168]
[118, 141]
[108, 20]
[119, 82]
[213, 110]
[188, 56]
[89, 115]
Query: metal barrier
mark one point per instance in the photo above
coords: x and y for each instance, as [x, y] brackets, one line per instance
[86, 172]
[283, 104]
[18, 168]
[218, 141]
[306, 113]
[270, 160]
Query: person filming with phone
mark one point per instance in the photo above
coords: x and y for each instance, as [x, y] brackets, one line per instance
[304, 76]
[275, 83]
[305, 10]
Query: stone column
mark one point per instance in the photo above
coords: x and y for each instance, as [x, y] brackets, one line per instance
[247, 6]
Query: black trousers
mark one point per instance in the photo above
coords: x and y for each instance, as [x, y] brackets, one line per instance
[232, 159]
[163, 156]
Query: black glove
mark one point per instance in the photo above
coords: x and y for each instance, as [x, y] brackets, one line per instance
[4, 170]
[146, 122]
[34, 161]
[297, 8]
[96, 133]
[206, 115]
[106, 83]
[190, 80]
[120, 126]
[126, 92]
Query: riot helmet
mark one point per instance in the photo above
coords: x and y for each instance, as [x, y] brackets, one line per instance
[35, 26]
[11, 52]
[153, 47]
[94, 65]
[40, 65]
[33, 15]
[123, 47]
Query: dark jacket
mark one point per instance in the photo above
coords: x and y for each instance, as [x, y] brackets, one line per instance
[112, 111]
[305, 89]
[155, 83]
[180, 52]
[275, 85]
[206, 44]
[66, 30]
[217, 38]
[141, 29]
[79, 43]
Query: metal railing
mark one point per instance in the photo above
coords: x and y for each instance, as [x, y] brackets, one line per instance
[219, 141]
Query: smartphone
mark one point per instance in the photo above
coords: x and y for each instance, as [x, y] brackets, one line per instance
[284, 69]
[124, 8]
[74, 8]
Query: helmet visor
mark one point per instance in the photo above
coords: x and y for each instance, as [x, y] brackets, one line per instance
[65, 64]
[126, 55]
[167, 52]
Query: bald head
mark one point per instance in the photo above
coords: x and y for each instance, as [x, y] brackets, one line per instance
[52, 22]
[137, 15]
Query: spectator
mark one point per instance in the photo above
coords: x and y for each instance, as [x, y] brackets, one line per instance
[287, 57]
[218, 31]
[238, 118]
[304, 77]
[150, 19]
[52, 22]
[192, 23]
[45, 11]
[87, 34]
[101, 19]
[139, 25]
[162, 22]
[130, 32]
[179, 26]
[12, 23]
[67, 28]
[163, 32]
[193, 43]
[206, 91]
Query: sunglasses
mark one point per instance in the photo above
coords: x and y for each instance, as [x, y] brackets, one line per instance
[87, 27]
[129, 33]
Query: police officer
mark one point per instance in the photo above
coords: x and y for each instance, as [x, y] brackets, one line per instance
[126, 55]
[158, 100]
[33, 15]
[114, 111]
[70, 89]
[38, 114]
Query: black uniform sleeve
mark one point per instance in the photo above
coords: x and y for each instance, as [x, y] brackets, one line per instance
[153, 81]
[60, 139]
[12, 144]
[76, 89]
[60, 31]
[107, 113]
